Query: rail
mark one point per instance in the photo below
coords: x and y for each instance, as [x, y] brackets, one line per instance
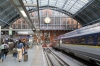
[53, 59]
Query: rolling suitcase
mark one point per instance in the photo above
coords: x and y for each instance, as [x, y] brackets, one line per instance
[25, 57]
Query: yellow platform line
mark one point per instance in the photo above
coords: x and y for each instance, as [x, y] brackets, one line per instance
[84, 45]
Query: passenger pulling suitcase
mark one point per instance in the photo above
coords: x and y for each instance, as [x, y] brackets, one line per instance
[26, 57]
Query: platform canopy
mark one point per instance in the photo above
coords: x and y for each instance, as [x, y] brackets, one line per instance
[84, 11]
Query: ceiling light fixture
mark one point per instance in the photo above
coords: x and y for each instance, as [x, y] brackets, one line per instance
[22, 32]
[23, 13]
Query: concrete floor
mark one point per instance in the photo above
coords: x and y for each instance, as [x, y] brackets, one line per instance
[35, 58]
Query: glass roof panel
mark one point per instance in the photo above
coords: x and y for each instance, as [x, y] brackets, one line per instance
[44, 2]
[2, 23]
[72, 6]
[52, 2]
[78, 4]
[85, 1]
[60, 3]
[7, 11]
[68, 5]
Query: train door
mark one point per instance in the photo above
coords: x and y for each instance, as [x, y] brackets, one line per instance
[77, 40]
[95, 40]
[72, 40]
[86, 40]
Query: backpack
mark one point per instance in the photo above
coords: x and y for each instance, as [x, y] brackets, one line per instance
[2, 47]
[5, 47]
[15, 50]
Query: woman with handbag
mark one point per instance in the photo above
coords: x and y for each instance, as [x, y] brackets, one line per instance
[20, 50]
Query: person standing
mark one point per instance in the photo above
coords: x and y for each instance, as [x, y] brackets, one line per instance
[20, 50]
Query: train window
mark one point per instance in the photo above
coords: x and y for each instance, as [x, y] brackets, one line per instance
[68, 41]
[65, 41]
[99, 40]
[71, 40]
[82, 40]
[90, 40]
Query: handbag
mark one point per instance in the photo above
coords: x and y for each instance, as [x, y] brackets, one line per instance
[19, 49]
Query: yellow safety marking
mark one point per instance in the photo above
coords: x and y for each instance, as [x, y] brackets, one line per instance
[84, 45]
[94, 46]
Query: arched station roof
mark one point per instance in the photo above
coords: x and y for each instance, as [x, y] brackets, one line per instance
[8, 13]
[85, 11]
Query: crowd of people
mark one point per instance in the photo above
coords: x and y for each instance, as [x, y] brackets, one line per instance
[19, 49]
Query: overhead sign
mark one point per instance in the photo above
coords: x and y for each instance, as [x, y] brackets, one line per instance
[10, 32]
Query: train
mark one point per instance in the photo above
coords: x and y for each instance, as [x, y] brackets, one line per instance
[89, 36]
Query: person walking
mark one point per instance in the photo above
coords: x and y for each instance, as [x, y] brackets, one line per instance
[20, 50]
[4, 50]
[1, 53]
[6, 47]
[15, 52]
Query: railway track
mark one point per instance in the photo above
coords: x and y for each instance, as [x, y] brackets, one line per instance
[53, 59]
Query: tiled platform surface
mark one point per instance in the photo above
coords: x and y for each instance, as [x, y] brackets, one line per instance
[35, 58]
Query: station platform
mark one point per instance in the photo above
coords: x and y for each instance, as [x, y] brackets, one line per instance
[35, 58]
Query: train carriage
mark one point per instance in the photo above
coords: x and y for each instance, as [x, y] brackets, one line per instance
[83, 43]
